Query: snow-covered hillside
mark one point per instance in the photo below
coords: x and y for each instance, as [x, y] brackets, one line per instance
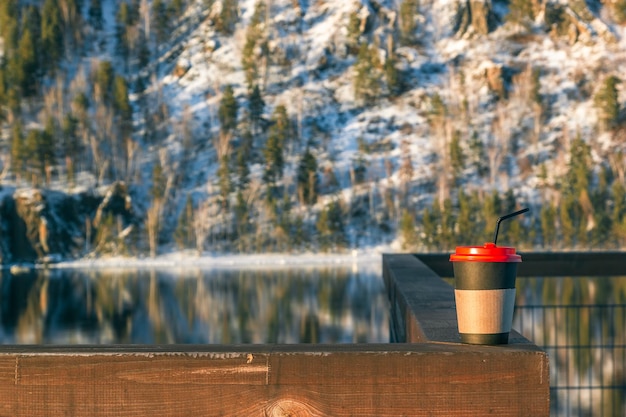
[401, 103]
[483, 79]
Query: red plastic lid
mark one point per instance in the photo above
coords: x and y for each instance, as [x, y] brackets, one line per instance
[487, 253]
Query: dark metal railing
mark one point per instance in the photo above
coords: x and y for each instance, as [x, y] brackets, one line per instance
[578, 320]
[587, 349]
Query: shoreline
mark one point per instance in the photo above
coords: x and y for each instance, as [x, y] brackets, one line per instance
[356, 259]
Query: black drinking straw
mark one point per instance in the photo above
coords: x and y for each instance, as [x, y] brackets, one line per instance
[507, 216]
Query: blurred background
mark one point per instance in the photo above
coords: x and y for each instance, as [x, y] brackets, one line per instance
[144, 129]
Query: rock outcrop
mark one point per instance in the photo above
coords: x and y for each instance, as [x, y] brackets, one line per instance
[38, 225]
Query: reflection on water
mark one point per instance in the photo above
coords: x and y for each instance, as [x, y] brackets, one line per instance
[581, 323]
[334, 305]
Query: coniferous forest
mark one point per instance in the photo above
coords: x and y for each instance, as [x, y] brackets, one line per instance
[140, 127]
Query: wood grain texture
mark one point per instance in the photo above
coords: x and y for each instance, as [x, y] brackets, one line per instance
[317, 380]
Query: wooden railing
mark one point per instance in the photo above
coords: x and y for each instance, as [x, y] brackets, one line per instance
[427, 373]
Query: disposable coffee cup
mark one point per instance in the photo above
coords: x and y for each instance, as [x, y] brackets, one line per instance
[485, 292]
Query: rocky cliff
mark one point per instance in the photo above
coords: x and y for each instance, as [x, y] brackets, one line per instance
[38, 225]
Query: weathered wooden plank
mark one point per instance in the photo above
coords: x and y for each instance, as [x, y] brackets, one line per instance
[339, 380]
[148, 370]
[435, 378]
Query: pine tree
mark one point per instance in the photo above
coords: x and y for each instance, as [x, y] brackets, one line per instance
[3, 90]
[33, 139]
[227, 112]
[71, 143]
[478, 156]
[492, 209]
[569, 216]
[467, 221]
[121, 105]
[31, 21]
[431, 226]
[448, 221]
[242, 216]
[331, 228]
[282, 226]
[40, 148]
[47, 146]
[243, 171]
[307, 178]
[393, 77]
[104, 81]
[607, 103]
[278, 136]
[51, 34]
[274, 160]
[438, 108]
[366, 79]
[254, 36]
[28, 63]
[13, 98]
[256, 106]
[600, 200]
[548, 225]
[578, 176]
[618, 214]
[9, 24]
[299, 236]
[536, 87]
[457, 156]
[576, 189]
[80, 107]
[19, 153]
[408, 233]
[248, 60]
[184, 234]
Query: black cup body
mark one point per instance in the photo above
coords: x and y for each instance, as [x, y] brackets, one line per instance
[485, 299]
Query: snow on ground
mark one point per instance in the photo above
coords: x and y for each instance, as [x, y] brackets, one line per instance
[363, 259]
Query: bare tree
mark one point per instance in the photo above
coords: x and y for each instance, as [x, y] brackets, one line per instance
[405, 172]
[104, 139]
[202, 220]
[132, 173]
[498, 140]
[144, 12]
[153, 223]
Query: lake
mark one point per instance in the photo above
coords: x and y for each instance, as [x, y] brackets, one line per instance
[339, 304]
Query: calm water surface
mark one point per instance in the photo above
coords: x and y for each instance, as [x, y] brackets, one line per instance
[299, 305]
